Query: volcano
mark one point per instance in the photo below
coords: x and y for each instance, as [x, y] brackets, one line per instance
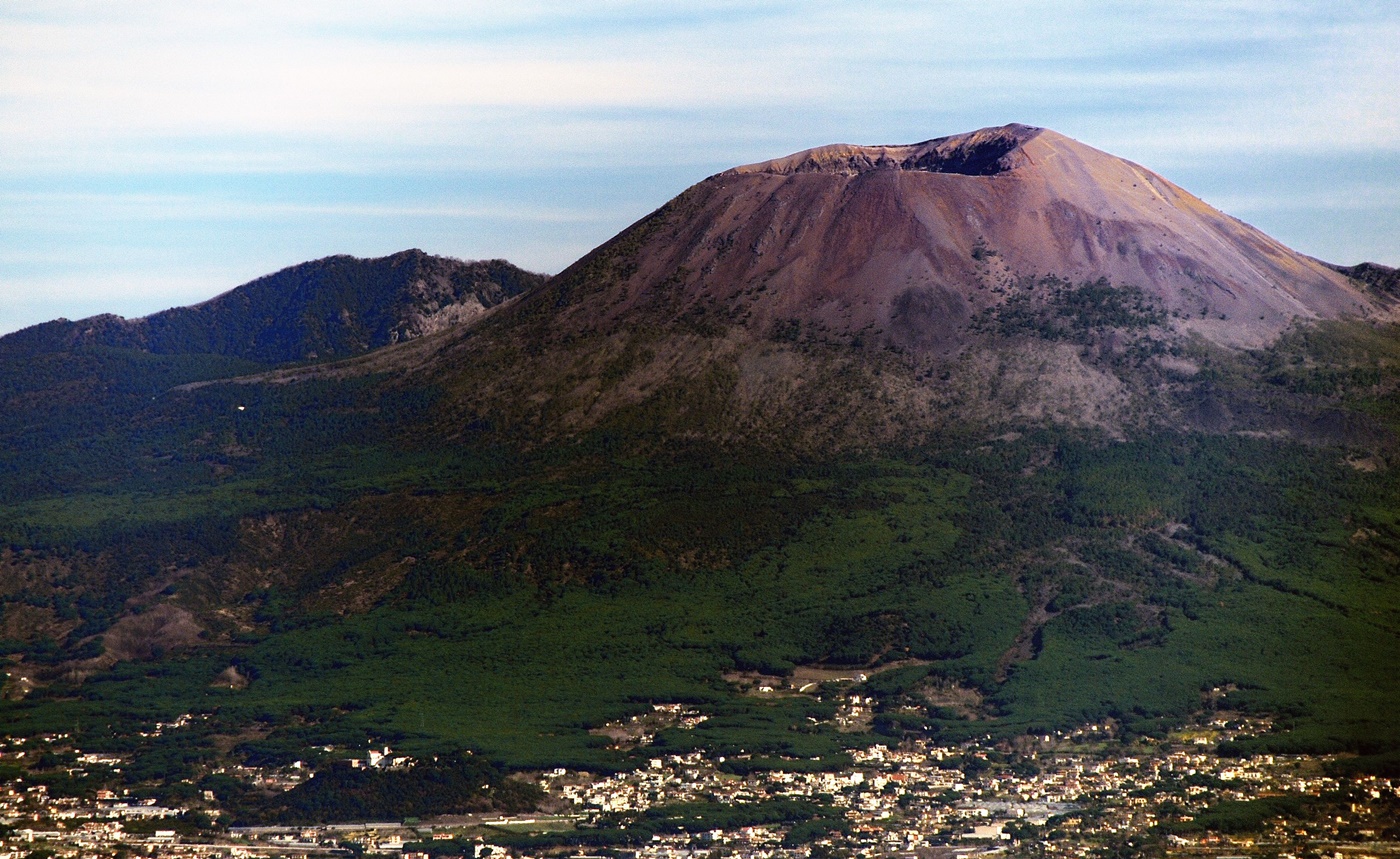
[1010, 270]
[1042, 434]
[916, 240]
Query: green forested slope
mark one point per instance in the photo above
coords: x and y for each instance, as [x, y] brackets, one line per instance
[374, 580]
[327, 308]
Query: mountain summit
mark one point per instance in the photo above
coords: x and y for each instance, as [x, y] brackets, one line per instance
[963, 255]
[917, 239]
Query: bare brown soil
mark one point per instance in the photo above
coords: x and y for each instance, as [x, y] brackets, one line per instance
[161, 629]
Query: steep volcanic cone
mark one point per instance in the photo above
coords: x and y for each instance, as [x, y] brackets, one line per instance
[868, 295]
[914, 240]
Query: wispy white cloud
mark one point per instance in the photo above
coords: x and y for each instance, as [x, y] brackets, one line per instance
[22, 206]
[352, 74]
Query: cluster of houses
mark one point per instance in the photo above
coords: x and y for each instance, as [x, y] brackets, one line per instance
[1064, 794]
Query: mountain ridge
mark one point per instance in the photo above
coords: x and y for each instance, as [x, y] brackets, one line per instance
[331, 307]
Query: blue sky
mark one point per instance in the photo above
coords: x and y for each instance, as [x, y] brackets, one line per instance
[157, 152]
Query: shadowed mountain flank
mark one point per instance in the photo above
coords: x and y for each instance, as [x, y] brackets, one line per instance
[329, 308]
[1383, 282]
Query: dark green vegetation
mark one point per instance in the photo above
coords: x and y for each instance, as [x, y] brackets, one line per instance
[328, 308]
[307, 566]
[1056, 309]
[809, 821]
[1277, 812]
[450, 784]
[1382, 280]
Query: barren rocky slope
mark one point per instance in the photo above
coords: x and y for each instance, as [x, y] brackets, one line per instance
[852, 294]
[915, 240]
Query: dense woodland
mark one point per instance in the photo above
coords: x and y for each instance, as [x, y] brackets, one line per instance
[372, 583]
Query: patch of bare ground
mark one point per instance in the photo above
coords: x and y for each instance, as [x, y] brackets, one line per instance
[1038, 381]
[163, 628]
[226, 743]
[954, 697]
[641, 729]
[1368, 464]
[230, 678]
[364, 589]
[1025, 647]
[806, 679]
[289, 551]
[22, 568]
[23, 622]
